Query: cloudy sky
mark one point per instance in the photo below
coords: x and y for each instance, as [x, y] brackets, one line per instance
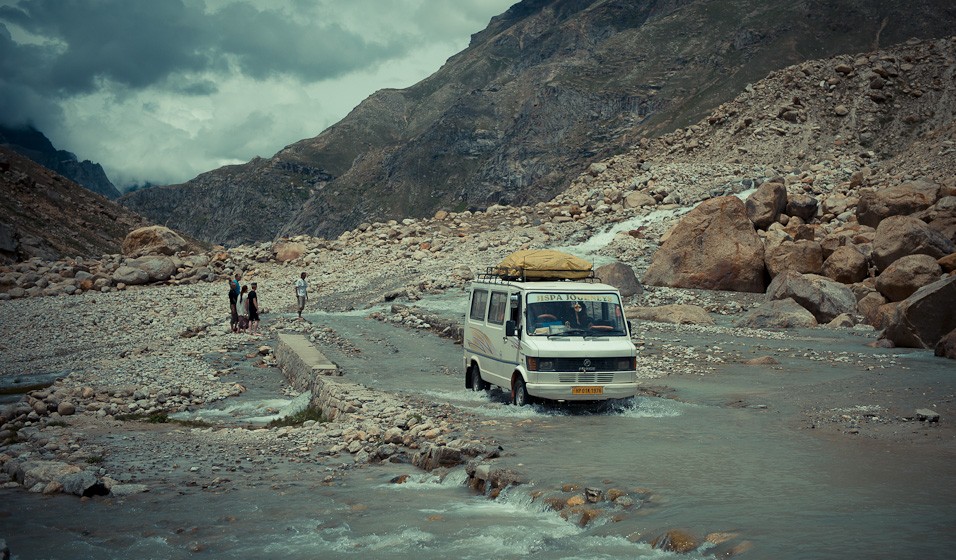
[163, 90]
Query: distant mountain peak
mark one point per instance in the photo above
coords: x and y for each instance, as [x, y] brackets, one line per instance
[30, 142]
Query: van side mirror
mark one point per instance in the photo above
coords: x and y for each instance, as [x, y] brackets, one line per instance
[630, 329]
[511, 329]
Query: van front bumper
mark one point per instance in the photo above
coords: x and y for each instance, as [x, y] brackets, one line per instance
[564, 391]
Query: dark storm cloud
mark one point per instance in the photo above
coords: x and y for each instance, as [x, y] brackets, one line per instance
[162, 90]
[268, 43]
[132, 43]
[142, 43]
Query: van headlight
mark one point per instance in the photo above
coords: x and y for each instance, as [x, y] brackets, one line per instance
[626, 364]
[540, 364]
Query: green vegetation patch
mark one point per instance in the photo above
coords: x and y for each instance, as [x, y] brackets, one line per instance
[299, 418]
[162, 418]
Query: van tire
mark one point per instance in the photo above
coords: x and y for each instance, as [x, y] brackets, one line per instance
[519, 394]
[477, 383]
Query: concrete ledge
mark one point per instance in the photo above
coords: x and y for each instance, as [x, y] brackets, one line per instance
[308, 370]
[301, 361]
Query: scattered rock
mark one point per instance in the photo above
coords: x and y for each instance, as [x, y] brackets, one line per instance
[819, 295]
[805, 257]
[946, 347]
[922, 319]
[622, 277]
[766, 203]
[846, 265]
[906, 275]
[778, 314]
[899, 236]
[927, 415]
[680, 314]
[899, 200]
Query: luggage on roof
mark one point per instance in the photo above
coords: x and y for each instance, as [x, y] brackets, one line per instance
[543, 264]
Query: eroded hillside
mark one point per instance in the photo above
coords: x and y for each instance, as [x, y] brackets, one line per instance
[547, 89]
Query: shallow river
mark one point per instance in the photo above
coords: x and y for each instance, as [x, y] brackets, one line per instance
[708, 467]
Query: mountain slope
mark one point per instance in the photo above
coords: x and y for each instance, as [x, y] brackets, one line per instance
[46, 215]
[33, 144]
[548, 88]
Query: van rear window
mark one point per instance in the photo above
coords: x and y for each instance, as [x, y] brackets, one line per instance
[479, 300]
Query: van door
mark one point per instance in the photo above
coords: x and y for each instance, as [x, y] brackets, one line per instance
[499, 310]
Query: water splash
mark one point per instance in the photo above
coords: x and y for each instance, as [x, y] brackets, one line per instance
[651, 407]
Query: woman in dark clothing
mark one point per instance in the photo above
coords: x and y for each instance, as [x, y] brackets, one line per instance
[234, 301]
[252, 304]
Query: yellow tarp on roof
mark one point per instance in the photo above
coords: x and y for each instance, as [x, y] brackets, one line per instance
[543, 263]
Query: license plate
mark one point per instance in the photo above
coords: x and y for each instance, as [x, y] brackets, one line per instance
[587, 390]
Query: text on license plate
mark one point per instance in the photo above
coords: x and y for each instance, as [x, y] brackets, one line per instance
[587, 390]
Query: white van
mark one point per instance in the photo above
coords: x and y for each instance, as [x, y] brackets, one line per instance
[556, 340]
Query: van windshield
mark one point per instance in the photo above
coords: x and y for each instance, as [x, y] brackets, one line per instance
[566, 313]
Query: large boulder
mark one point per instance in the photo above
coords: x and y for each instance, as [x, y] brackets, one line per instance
[907, 275]
[622, 277]
[948, 263]
[846, 265]
[32, 472]
[899, 236]
[945, 225]
[802, 256]
[639, 199]
[130, 276]
[157, 268]
[153, 240]
[714, 247]
[899, 200]
[286, 251]
[819, 295]
[802, 206]
[766, 204]
[946, 347]
[871, 307]
[922, 319]
[778, 314]
[680, 314]
[84, 484]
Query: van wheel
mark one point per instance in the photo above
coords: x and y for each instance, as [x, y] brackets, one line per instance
[519, 395]
[477, 383]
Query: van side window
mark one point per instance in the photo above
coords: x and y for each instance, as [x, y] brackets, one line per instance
[499, 302]
[478, 300]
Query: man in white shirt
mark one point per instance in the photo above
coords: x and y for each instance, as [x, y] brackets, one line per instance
[301, 292]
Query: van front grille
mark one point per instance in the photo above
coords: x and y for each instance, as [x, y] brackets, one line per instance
[587, 366]
[589, 377]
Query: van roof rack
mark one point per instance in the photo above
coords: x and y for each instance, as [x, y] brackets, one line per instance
[494, 274]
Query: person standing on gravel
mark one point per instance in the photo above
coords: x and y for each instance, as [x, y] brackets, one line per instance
[234, 302]
[301, 292]
[252, 307]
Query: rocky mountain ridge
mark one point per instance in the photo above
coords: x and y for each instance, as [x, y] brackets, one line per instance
[545, 90]
[35, 145]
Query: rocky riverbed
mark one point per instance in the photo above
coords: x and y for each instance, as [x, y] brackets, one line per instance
[89, 434]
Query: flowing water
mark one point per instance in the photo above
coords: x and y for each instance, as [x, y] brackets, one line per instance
[701, 465]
